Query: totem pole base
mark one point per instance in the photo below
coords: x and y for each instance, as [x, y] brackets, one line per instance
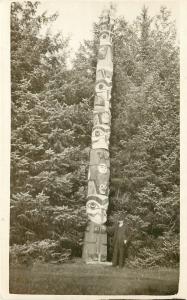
[95, 244]
[105, 263]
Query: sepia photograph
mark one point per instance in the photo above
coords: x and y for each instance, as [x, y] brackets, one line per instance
[94, 148]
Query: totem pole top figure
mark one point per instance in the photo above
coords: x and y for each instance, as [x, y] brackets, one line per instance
[107, 18]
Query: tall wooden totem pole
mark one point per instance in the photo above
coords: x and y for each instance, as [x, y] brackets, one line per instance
[95, 241]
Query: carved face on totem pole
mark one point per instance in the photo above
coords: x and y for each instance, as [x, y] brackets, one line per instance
[102, 168]
[104, 75]
[103, 90]
[105, 38]
[99, 156]
[100, 172]
[100, 118]
[96, 209]
[100, 137]
[98, 187]
[105, 62]
[104, 19]
[98, 182]
[102, 51]
[100, 105]
[102, 86]
[104, 26]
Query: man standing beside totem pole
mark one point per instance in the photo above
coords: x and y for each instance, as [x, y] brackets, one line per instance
[121, 241]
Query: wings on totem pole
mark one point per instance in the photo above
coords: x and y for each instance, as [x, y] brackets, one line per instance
[95, 241]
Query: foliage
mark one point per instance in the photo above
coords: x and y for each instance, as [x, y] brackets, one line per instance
[49, 138]
[45, 250]
[145, 135]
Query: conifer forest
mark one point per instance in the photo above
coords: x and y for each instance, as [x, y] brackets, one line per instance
[51, 122]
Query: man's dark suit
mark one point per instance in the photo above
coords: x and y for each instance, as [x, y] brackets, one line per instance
[119, 247]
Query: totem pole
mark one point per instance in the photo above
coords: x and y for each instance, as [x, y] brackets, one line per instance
[95, 241]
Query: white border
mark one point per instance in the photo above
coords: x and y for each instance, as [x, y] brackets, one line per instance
[5, 162]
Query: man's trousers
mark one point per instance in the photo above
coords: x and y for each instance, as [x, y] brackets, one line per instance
[119, 255]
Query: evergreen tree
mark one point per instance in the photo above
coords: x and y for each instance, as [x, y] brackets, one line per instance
[50, 135]
[145, 137]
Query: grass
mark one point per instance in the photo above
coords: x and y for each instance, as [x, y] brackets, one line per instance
[80, 279]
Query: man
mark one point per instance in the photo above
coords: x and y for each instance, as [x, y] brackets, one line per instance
[120, 243]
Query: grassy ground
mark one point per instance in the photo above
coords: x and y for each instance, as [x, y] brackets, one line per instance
[80, 279]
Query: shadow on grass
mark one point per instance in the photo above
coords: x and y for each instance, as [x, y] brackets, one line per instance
[81, 279]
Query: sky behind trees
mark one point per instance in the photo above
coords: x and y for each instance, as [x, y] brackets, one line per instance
[76, 17]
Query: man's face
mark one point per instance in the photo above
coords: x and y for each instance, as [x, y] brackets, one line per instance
[120, 223]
